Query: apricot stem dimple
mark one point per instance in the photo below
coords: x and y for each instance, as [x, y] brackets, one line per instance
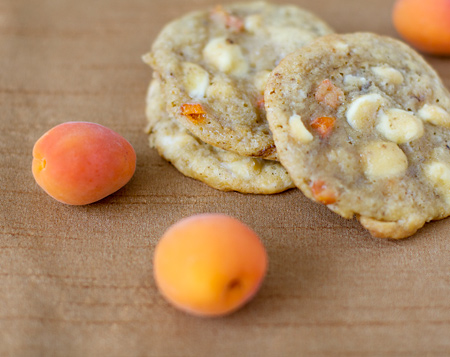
[234, 284]
[41, 163]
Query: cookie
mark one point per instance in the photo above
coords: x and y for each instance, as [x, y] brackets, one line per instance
[214, 66]
[218, 168]
[362, 124]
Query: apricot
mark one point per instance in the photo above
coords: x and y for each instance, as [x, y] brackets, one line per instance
[424, 24]
[79, 163]
[209, 264]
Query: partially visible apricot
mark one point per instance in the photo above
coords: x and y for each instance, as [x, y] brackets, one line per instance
[79, 163]
[424, 24]
[209, 264]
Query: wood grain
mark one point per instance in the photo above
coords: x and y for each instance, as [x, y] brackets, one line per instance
[77, 281]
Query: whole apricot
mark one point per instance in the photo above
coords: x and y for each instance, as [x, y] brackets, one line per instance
[79, 163]
[424, 24]
[209, 264]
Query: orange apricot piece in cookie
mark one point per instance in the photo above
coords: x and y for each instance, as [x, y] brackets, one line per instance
[323, 125]
[329, 94]
[78, 163]
[231, 22]
[322, 193]
[424, 24]
[209, 264]
[194, 112]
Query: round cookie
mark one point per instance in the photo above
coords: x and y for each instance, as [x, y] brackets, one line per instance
[362, 124]
[214, 66]
[218, 168]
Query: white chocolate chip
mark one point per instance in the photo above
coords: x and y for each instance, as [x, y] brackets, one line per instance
[196, 80]
[439, 174]
[172, 143]
[362, 111]
[298, 130]
[435, 115]
[245, 168]
[383, 160]
[356, 81]
[399, 126]
[253, 23]
[388, 74]
[301, 94]
[261, 80]
[341, 46]
[225, 56]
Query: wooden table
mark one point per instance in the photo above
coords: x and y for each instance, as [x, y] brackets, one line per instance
[77, 281]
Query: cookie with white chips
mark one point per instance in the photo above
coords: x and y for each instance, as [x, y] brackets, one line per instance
[214, 66]
[218, 168]
[362, 124]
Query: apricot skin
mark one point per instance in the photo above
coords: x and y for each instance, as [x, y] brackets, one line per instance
[209, 265]
[424, 24]
[78, 163]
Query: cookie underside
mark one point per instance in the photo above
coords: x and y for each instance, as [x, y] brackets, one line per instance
[218, 168]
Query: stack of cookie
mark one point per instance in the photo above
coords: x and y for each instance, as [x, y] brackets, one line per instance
[360, 122]
[205, 105]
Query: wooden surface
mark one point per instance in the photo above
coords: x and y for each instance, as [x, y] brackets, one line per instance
[77, 281]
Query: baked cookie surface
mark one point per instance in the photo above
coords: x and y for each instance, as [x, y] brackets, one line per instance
[362, 124]
[218, 168]
[214, 66]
